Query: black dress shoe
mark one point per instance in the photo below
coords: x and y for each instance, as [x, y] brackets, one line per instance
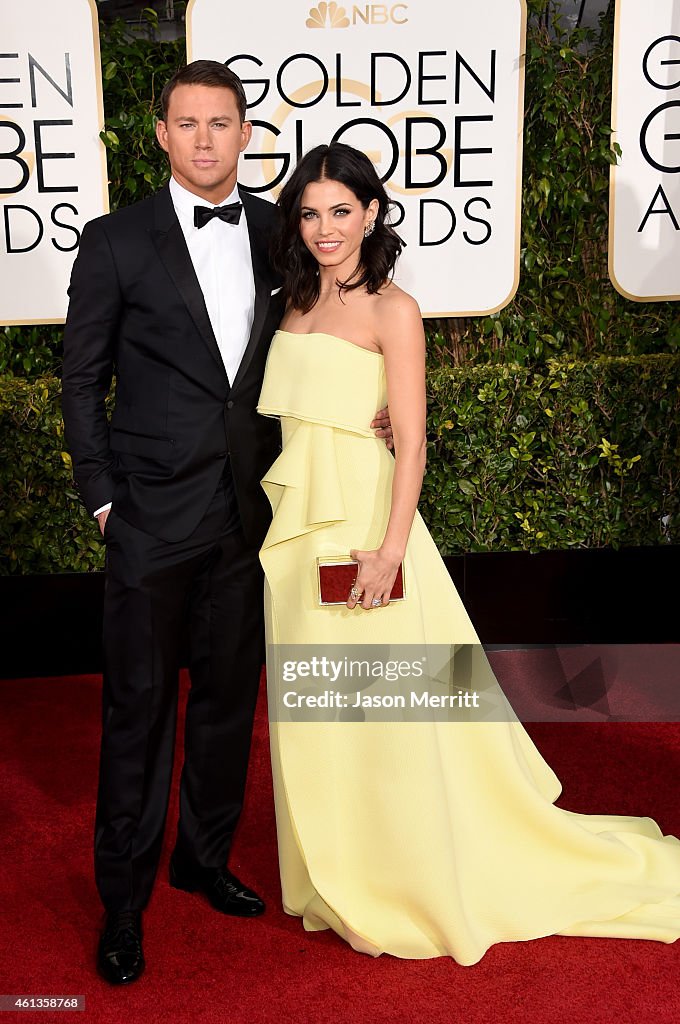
[222, 889]
[120, 958]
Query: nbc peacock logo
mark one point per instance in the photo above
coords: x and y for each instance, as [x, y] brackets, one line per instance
[327, 14]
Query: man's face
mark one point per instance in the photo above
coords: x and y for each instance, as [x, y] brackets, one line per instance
[203, 137]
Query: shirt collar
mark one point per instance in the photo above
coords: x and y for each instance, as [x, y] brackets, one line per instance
[184, 201]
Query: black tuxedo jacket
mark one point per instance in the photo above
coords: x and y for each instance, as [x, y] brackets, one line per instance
[136, 309]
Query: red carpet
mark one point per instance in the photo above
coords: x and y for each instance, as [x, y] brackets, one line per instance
[203, 967]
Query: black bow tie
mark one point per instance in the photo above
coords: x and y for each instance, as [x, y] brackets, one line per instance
[231, 214]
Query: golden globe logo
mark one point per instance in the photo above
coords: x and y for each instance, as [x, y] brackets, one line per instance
[332, 15]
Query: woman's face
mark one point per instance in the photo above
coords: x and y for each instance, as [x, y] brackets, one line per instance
[332, 224]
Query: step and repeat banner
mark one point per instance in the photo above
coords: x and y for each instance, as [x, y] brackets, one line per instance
[431, 91]
[52, 162]
[644, 237]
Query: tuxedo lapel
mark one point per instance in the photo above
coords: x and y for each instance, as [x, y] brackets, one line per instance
[258, 231]
[168, 238]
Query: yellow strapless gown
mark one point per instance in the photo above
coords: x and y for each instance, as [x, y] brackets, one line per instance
[418, 839]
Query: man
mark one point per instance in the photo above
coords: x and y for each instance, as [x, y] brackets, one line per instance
[179, 299]
[183, 306]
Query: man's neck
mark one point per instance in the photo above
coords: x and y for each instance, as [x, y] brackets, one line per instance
[214, 197]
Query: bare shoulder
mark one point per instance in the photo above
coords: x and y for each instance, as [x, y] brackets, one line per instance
[394, 301]
[397, 315]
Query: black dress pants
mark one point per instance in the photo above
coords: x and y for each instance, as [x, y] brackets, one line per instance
[212, 580]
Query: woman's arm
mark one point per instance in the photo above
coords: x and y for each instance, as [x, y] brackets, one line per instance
[402, 340]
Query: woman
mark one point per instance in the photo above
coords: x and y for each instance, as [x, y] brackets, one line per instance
[416, 838]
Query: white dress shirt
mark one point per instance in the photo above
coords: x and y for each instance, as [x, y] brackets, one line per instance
[221, 257]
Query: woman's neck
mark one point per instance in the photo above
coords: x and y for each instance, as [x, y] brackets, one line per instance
[332, 278]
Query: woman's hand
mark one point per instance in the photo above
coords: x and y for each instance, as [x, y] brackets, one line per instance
[375, 577]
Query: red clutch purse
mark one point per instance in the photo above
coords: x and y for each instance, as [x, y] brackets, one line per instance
[336, 575]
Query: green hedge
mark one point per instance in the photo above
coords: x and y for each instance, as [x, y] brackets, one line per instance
[577, 455]
[43, 525]
[573, 455]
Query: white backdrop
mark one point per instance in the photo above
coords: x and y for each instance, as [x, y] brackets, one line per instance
[431, 90]
[52, 162]
[644, 220]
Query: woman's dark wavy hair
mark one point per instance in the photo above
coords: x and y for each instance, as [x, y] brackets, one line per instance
[291, 257]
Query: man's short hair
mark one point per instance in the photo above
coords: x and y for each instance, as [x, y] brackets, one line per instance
[205, 72]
